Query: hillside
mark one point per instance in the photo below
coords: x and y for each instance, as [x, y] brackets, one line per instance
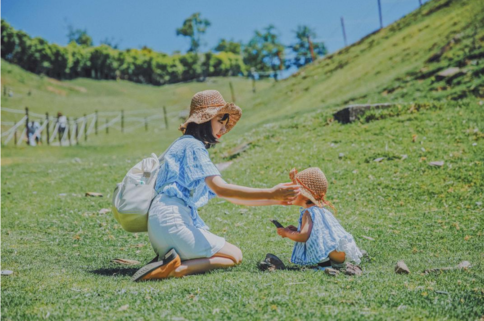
[407, 183]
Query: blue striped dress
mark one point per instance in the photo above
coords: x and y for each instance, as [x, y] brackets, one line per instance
[326, 236]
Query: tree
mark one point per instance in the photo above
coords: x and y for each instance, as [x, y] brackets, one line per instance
[305, 48]
[111, 42]
[79, 36]
[193, 27]
[228, 46]
[264, 52]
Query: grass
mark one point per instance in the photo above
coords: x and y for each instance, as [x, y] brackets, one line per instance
[60, 247]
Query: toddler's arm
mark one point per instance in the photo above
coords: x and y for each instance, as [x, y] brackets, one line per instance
[299, 236]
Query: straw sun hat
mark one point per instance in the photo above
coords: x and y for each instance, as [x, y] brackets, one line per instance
[312, 183]
[206, 105]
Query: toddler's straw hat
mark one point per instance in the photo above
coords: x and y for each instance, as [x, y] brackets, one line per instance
[208, 104]
[312, 183]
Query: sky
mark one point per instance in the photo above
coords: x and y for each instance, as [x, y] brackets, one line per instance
[152, 23]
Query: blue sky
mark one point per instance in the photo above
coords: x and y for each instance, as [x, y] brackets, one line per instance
[153, 23]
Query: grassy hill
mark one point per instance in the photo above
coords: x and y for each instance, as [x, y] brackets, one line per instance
[401, 208]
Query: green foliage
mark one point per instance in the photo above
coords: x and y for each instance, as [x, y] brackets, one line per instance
[228, 46]
[264, 52]
[106, 62]
[193, 27]
[302, 47]
[79, 36]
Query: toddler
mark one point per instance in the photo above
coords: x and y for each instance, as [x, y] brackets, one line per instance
[320, 238]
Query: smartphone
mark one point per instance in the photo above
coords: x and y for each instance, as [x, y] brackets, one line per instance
[277, 224]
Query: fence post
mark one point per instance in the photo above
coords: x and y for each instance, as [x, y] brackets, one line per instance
[85, 127]
[232, 91]
[253, 84]
[27, 124]
[77, 131]
[166, 118]
[15, 137]
[69, 131]
[5, 90]
[107, 127]
[47, 128]
[146, 123]
[95, 124]
[122, 121]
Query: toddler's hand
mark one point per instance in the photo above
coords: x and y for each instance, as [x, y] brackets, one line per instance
[292, 228]
[281, 231]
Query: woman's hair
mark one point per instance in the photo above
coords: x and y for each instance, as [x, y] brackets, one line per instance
[203, 132]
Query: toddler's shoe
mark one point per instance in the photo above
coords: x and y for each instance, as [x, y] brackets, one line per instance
[158, 269]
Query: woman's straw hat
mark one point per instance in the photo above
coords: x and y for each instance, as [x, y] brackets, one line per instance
[313, 184]
[209, 103]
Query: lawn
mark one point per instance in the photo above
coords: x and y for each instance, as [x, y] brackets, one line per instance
[60, 246]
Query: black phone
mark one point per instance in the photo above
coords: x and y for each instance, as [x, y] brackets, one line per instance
[277, 224]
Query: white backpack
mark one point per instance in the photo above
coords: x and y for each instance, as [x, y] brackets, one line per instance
[133, 196]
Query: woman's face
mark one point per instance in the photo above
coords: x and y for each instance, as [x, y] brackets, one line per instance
[218, 125]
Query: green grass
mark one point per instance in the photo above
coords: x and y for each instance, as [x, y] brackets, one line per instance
[60, 247]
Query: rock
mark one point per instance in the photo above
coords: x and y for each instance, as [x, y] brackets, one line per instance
[438, 163]
[7, 272]
[401, 268]
[351, 113]
[330, 271]
[341, 155]
[367, 237]
[235, 152]
[125, 262]
[223, 166]
[405, 156]
[379, 159]
[449, 73]
[365, 253]
[77, 160]
[104, 211]
[352, 269]
[464, 265]
[92, 194]
[63, 194]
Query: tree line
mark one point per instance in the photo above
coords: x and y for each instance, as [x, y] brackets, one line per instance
[264, 54]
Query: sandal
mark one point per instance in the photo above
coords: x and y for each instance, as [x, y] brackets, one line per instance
[158, 269]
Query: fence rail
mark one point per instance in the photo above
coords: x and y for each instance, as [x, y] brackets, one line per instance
[64, 131]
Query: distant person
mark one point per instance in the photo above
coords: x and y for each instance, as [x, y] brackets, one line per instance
[10, 93]
[62, 121]
[38, 137]
[320, 238]
[185, 182]
[30, 134]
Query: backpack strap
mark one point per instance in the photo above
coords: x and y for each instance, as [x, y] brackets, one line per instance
[162, 156]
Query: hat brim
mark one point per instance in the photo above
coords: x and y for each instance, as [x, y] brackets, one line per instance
[206, 114]
[309, 195]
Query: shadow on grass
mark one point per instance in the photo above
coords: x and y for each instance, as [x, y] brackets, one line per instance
[115, 271]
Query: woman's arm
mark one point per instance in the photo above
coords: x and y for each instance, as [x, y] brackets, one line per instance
[255, 202]
[301, 236]
[284, 193]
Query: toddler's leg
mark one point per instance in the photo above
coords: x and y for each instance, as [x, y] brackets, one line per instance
[337, 257]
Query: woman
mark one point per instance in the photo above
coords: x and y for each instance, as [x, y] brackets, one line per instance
[186, 181]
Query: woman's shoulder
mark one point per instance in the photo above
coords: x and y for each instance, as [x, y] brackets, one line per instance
[188, 142]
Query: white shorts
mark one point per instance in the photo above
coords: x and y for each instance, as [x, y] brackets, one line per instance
[170, 226]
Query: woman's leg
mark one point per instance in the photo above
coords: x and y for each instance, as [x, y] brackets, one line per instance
[228, 256]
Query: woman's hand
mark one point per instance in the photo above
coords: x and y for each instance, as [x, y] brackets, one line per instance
[286, 192]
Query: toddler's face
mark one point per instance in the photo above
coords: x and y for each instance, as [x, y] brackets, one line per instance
[300, 200]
